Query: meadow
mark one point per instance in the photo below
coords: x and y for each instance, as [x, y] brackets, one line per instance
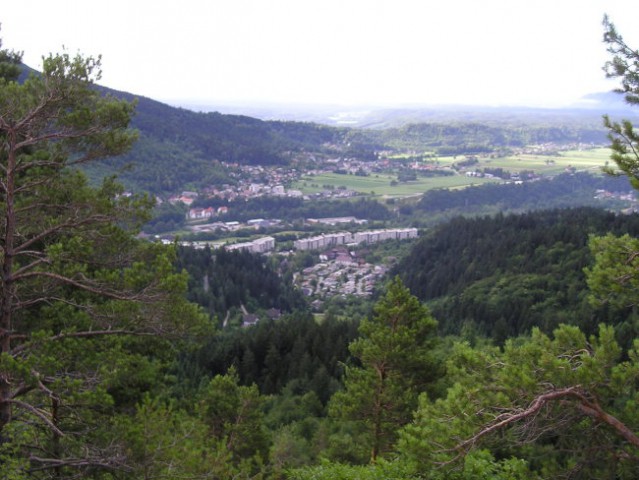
[581, 160]
[386, 184]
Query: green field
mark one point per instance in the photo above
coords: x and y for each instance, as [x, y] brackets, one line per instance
[582, 160]
[380, 184]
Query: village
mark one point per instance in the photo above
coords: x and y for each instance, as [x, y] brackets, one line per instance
[340, 271]
[254, 181]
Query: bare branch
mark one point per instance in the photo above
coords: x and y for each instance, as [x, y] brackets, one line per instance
[584, 404]
[31, 265]
[38, 413]
[83, 284]
[71, 134]
[92, 219]
[105, 463]
[84, 334]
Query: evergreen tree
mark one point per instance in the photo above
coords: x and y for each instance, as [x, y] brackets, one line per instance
[235, 418]
[395, 349]
[76, 288]
[564, 404]
[625, 66]
[9, 64]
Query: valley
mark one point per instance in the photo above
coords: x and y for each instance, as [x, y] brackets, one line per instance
[354, 293]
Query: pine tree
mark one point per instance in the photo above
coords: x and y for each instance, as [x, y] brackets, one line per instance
[76, 286]
[395, 349]
[625, 66]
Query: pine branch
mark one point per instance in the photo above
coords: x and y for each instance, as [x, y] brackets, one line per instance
[583, 403]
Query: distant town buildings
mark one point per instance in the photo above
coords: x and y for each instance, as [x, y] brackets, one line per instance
[267, 244]
[335, 220]
[261, 245]
[320, 242]
[346, 238]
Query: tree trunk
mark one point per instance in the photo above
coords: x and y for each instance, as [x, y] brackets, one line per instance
[378, 413]
[7, 291]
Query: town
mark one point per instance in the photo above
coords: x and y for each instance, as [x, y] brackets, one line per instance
[298, 179]
[340, 270]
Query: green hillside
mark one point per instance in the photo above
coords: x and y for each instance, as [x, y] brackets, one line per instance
[500, 276]
[180, 149]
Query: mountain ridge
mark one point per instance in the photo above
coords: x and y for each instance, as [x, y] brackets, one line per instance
[181, 149]
[378, 116]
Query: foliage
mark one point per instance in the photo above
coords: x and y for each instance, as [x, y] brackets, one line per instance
[160, 440]
[10, 63]
[166, 218]
[339, 471]
[77, 289]
[224, 280]
[625, 66]
[459, 138]
[234, 416]
[529, 274]
[566, 404]
[564, 191]
[395, 349]
[294, 352]
[613, 277]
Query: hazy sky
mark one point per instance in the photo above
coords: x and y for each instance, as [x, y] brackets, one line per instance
[488, 52]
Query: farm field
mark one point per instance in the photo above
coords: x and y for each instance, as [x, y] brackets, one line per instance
[581, 160]
[380, 184]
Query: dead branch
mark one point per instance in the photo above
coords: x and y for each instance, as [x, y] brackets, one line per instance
[38, 413]
[84, 334]
[577, 398]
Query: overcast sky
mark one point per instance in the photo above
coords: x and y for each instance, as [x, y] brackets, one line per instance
[350, 52]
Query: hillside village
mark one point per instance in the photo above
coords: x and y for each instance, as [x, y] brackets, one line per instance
[340, 270]
[254, 181]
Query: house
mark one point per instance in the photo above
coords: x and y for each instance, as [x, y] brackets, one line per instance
[249, 320]
[183, 199]
[200, 213]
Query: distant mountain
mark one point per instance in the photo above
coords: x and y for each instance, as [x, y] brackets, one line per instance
[606, 102]
[178, 147]
[182, 149]
[587, 110]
